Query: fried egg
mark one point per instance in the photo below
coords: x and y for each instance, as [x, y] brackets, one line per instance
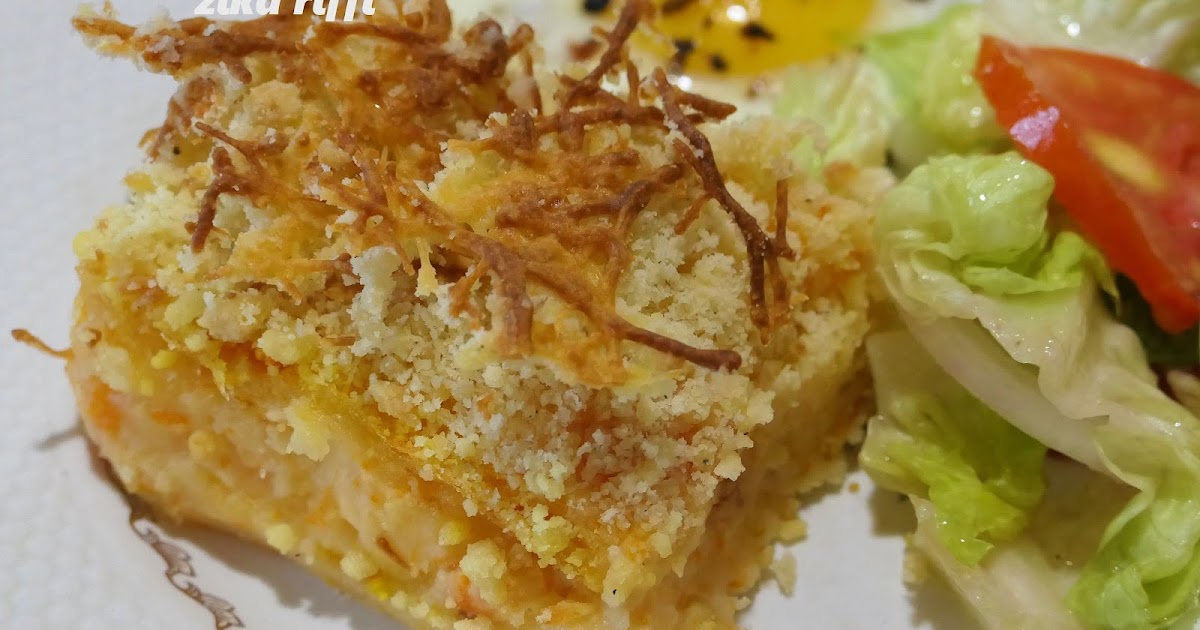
[733, 50]
[748, 37]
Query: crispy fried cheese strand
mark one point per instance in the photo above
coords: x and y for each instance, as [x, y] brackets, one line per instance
[544, 237]
[697, 151]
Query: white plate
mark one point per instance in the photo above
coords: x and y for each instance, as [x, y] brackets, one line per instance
[69, 123]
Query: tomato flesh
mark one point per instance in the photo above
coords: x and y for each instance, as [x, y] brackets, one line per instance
[1123, 144]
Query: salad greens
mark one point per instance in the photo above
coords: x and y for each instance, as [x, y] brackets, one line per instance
[961, 226]
[981, 475]
[916, 88]
[851, 101]
[964, 243]
[910, 94]
[1017, 339]
[1149, 32]
[963, 238]
[929, 68]
[1023, 582]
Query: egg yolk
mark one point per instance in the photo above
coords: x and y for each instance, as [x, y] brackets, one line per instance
[746, 37]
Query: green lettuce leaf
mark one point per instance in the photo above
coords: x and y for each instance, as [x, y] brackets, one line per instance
[1023, 583]
[1013, 312]
[959, 226]
[851, 100]
[930, 68]
[1162, 349]
[1150, 32]
[981, 475]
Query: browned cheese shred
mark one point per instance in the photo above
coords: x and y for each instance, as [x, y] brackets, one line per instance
[538, 238]
[21, 335]
[762, 253]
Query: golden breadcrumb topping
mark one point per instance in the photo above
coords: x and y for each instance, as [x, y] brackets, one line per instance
[570, 298]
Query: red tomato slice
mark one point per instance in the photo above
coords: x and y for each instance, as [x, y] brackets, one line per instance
[1123, 144]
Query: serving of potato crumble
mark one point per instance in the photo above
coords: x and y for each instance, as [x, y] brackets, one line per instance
[487, 343]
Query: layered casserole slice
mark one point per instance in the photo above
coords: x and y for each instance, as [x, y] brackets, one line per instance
[489, 345]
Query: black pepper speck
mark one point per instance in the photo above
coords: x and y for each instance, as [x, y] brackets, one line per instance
[718, 63]
[683, 49]
[755, 30]
[595, 6]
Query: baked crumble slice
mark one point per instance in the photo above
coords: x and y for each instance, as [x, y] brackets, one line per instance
[494, 345]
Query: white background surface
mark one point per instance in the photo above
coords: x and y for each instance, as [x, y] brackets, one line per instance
[69, 124]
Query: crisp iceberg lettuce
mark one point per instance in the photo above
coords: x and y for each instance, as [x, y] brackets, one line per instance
[1013, 311]
[912, 94]
[1150, 32]
[851, 100]
[1024, 582]
[976, 225]
[1016, 528]
[1016, 586]
[930, 68]
[980, 475]
[957, 233]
